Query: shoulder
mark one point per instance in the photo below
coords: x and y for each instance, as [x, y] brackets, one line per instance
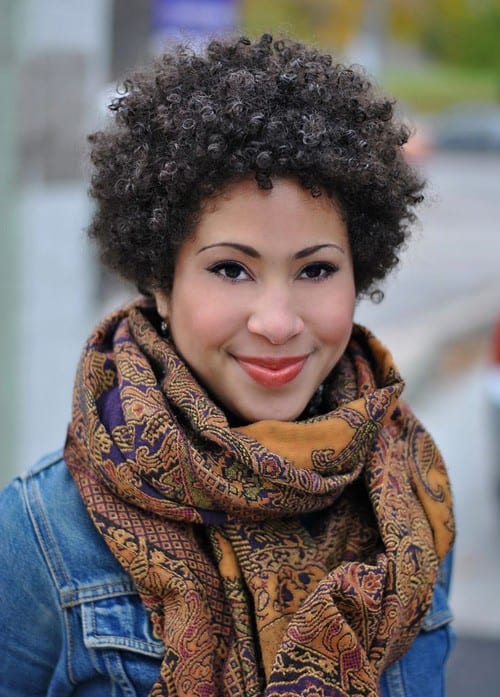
[45, 504]
[20, 503]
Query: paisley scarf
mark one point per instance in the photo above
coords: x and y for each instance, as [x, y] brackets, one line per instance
[276, 558]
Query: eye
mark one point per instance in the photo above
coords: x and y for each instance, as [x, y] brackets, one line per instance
[230, 270]
[317, 271]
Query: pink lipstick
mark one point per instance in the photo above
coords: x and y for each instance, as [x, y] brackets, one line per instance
[272, 372]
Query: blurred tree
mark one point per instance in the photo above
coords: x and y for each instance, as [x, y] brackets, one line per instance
[336, 22]
[465, 34]
[330, 22]
[458, 32]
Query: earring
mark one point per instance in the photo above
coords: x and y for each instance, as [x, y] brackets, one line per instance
[164, 327]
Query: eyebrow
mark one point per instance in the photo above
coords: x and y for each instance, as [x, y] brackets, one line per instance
[251, 252]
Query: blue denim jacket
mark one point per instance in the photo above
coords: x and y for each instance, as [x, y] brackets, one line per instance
[71, 622]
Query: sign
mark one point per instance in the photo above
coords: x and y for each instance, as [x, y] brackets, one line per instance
[192, 19]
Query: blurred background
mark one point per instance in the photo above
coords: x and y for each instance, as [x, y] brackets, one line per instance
[60, 63]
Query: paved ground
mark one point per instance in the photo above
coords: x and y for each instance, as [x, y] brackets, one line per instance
[474, 669]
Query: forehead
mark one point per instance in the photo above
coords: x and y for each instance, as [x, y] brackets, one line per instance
[287, 210]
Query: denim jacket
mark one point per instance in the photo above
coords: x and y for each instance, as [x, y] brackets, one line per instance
[71, 622]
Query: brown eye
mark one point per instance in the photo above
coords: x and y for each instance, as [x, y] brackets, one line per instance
[318, 271]
[230, 270]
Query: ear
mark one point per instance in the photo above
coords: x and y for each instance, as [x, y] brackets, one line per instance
[162, 303]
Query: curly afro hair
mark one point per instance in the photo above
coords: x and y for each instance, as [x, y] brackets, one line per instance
[191, 123]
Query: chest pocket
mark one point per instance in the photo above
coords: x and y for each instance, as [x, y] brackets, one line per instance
[117, 632]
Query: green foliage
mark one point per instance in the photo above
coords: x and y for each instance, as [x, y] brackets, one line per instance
[330, 23]
[437, 86]
[277, 17]
[471, 40]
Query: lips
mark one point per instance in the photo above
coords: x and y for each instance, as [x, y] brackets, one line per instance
[272, 372]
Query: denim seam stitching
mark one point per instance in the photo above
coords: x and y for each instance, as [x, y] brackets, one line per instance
[80, 596]
[136, 645]
[395, 680]
[437, 620]
[118, 671]
[69, 653]
[56, 565]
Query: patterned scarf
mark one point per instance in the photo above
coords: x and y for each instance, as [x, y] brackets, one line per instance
[277, 558]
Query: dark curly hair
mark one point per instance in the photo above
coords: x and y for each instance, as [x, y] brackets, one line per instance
[191, 123]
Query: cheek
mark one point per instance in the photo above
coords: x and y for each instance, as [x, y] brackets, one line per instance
[335, 337]
[333, 318]
[204, 321]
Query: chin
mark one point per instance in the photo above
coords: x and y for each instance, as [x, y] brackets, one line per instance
[270, 413]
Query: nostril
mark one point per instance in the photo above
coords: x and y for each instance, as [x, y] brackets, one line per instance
[276, 327]
[274, 342]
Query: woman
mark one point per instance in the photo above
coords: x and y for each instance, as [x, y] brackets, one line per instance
[243, 506]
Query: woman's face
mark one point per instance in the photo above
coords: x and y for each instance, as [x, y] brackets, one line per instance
[263, 295]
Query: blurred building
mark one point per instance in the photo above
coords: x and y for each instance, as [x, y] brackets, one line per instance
[56, 59]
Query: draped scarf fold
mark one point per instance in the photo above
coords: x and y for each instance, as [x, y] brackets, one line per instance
[276, 558]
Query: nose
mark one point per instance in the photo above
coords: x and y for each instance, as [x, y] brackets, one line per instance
[275, 317]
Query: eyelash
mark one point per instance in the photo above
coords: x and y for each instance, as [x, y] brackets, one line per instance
[328, 268]
[325, 267]
[221, 265]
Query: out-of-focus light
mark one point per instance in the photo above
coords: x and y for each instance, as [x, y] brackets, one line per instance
[495, 343]
[194, 20]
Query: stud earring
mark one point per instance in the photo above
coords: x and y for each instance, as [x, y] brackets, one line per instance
[164, 327]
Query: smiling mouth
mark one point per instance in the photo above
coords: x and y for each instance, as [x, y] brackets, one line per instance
[272, 372]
